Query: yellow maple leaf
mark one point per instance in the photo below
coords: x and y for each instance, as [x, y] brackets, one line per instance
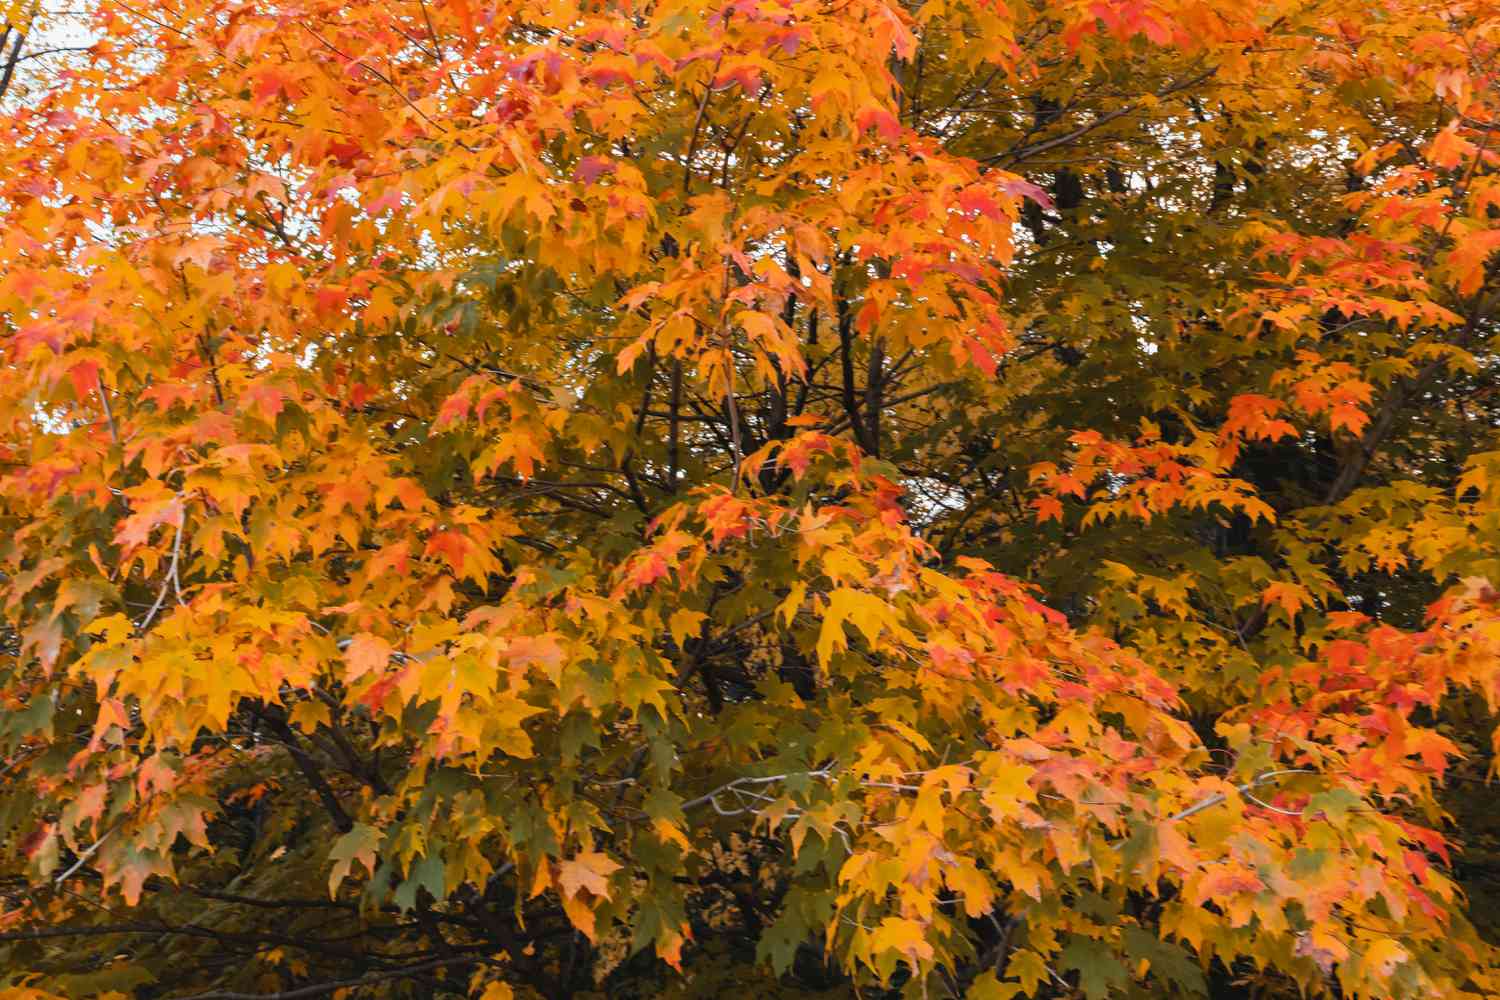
[899, 934]
[586, 873]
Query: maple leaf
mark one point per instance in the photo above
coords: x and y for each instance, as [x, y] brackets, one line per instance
[1255, 416]
[1028, 967]
[1382, 957]
[899, 934]
[1047, 509]
[85, 378]
[1020, 187]
[587, 872]
[454, 409]
[359, 844]
[880, 120]
[1289, 597]
[366, 654]
[591, 168]
[266, 400]
[1099, 972]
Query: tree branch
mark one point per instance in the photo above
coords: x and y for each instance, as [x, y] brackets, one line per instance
[319, 989]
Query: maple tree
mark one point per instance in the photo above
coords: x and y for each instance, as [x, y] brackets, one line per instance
[954, 498]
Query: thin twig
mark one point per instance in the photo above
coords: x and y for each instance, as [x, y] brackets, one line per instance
[109, 416]
[1218, 797]
[319, 989]
[171, 578]
[83, 857]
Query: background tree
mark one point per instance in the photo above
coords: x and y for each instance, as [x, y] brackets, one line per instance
[808, 497]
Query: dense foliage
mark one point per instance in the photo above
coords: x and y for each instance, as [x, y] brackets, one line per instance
[812, 497]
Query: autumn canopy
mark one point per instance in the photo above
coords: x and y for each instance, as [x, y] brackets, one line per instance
[781, 498]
